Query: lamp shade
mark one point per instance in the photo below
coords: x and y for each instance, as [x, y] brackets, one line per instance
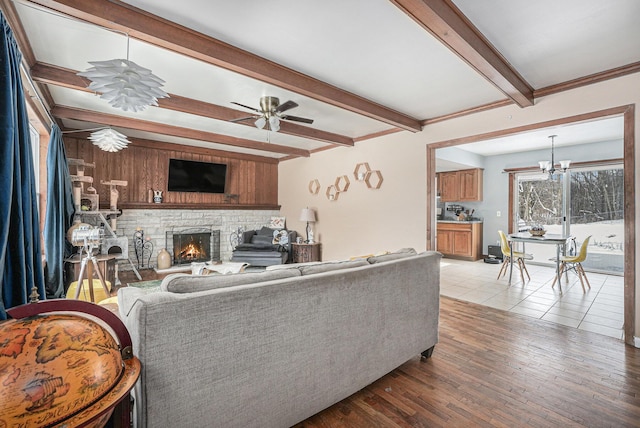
[109, 140]
[260, 123]
[564, 164]
[125, 84]
[274, 123]
[308, 215]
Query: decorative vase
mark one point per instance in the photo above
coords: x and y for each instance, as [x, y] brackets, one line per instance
[164, 259]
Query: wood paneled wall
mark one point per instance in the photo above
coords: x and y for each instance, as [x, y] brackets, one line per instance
[252, 181]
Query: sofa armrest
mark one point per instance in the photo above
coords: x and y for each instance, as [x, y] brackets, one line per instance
[292, 239]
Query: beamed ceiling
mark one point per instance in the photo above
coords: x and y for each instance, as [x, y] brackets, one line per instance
[358, 68]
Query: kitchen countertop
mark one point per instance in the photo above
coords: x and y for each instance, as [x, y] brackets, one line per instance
[459, 221]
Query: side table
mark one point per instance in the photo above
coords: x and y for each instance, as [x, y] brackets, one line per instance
[303, 253]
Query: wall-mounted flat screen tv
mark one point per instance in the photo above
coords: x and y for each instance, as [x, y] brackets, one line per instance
[193, 176]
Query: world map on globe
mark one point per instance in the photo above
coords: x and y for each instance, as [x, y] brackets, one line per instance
[53, 366]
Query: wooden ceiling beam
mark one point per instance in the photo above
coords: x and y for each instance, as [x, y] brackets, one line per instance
[71, 113]
[445, 22]
[58, 76]
[169, 35]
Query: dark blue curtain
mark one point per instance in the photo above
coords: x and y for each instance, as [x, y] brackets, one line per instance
[20, 248]
[59, 215]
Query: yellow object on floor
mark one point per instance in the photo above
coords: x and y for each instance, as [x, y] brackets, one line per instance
[98, 291]
[109, 301]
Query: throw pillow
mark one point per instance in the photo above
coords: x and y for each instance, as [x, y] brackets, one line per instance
[280, 237]
[265, 231]
[277, 222]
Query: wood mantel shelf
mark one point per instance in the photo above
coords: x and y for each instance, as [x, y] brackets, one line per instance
[191, 206]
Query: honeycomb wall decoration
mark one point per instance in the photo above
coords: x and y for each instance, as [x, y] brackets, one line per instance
[314, 186]
[374, 179]
[342, 183]
[361, 171]
[332, 193]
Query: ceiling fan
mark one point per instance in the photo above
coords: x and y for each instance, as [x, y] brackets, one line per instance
[270, 113]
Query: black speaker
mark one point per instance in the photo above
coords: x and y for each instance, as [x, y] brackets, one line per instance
[494, 250]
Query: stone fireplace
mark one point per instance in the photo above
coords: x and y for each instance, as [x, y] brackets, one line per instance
[159, 225]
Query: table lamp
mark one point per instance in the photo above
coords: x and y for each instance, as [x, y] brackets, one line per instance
[309, 216]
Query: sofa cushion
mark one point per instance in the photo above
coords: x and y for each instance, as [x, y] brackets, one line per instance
[258, 246]
[262, 239]
[185, 283]
[402, 253]
[329, 266]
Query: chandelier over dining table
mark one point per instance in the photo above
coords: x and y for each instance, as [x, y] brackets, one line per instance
[550, 166]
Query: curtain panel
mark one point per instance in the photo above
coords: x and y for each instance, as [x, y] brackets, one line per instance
[20, 246]
[59, 214]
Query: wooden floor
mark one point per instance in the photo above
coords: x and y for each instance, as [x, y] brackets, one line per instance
[498, 369]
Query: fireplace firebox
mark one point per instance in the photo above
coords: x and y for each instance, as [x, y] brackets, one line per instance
[193, 245]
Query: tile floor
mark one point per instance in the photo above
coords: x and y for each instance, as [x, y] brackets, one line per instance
[599, 310]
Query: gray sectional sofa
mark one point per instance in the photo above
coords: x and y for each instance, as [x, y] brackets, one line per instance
[272, 348]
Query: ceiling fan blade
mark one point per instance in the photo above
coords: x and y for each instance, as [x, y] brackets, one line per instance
[286, 106]
[297, 119]
[247, 107]
[240, 119]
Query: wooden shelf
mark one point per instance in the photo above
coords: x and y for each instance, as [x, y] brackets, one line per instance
[181, 206]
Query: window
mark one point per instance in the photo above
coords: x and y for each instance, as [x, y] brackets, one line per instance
[34, 137]
[584, 201]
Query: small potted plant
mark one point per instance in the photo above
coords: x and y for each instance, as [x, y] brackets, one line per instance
[537, 230]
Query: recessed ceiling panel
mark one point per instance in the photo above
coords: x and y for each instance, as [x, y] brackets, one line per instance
[552, 41]
[370, 48]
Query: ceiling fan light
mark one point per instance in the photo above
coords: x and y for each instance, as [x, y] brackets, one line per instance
[274, 123]
[564, 164]
[260, 123]
[124, 84]
[109, 140]
[543, 165]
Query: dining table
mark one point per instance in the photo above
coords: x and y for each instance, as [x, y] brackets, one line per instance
[557, 239]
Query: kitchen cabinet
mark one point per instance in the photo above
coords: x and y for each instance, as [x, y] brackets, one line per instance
[458, 186]
[462, 239]
[449, 186]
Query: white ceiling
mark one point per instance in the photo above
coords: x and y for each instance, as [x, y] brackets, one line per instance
[369, 48]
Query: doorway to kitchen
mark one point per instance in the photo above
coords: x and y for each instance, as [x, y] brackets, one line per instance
[627, 113]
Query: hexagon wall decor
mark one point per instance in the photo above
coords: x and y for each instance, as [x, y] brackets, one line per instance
[374, 179]
[342, 183]
[314, 186]
[361, 171]
[332, 193]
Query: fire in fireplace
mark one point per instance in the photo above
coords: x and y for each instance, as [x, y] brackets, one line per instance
[193, 244]
[191, 247]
